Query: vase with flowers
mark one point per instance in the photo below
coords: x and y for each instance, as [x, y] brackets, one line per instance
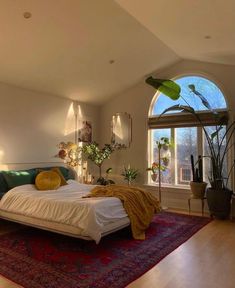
[129, 174]
[70, 153]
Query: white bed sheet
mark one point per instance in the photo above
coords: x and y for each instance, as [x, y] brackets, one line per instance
[65, 205]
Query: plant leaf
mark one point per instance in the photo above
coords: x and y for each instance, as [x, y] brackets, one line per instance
[181, 108]
[109, 170]
[214, 134]
[167, 87]
[203, 99]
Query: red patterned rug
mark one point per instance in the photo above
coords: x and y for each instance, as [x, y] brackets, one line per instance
[39, 259]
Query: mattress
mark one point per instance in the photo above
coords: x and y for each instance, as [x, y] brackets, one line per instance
[64, 210]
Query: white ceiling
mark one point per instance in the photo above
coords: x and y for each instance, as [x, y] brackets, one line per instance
[66, 46]
[183, 25]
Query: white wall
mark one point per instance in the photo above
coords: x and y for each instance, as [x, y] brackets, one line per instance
[33, 123]
[137, 100]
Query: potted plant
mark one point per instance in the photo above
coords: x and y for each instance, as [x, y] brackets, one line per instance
[105, 180]
[129, 174]
[219, 194]
[197, 186]
[154, 171]
[163, 161]
[97, 156]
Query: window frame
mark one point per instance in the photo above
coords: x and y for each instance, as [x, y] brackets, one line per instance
[181, 120]
[173, 151]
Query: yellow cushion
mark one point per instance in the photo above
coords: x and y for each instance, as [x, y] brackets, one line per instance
[47, 180]
[57, 170]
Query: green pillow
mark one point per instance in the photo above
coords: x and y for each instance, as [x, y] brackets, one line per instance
[67, 173]
[3, 184]
[64, 171]
[18, 178]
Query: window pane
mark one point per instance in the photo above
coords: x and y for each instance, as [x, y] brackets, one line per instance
[207, 162]
[206, 87]
[186, 144]
[166, 176]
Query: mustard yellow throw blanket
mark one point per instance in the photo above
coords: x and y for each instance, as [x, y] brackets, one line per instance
[140, 205]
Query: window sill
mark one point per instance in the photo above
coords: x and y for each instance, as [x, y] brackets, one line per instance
[170, 188]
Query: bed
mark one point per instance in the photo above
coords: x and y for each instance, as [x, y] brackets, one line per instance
[64, 210]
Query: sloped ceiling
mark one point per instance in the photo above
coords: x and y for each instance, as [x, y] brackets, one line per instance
[195, 29]
[86, 50]
[90, 50]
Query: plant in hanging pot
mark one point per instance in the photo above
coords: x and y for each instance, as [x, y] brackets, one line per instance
[219, 142]
[154, 171]
[163, 145]
[197, 186]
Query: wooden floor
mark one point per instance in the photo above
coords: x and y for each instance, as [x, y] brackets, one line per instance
[207, 260]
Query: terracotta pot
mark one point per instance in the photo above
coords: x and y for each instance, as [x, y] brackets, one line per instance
[154, 177]
[198, 189]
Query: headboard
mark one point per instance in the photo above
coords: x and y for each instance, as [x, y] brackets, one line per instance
[31, 169]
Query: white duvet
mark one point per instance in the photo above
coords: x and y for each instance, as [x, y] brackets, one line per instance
[65, 205]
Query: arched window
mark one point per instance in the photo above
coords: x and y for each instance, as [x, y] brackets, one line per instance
[183, 129]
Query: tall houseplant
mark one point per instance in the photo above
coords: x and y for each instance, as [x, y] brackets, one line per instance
[219, 194]
[97, 156]
[163, 144]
